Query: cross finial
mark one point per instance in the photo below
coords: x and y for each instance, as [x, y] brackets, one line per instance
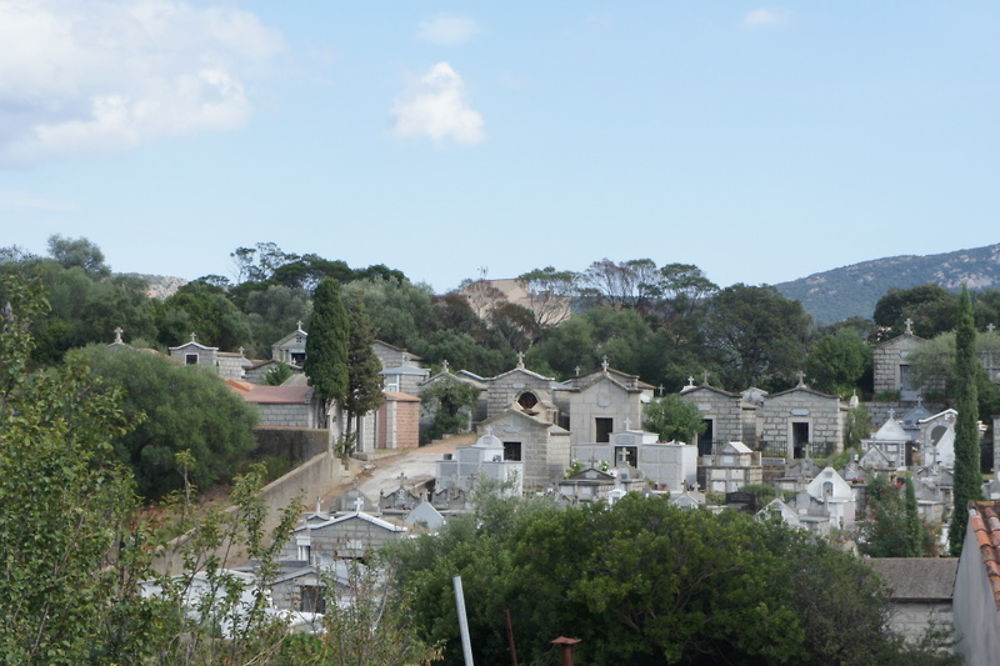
[802, 378]
[604, 363]
[489, 431]
[359, 504]
[194, 337]
[520, 359]
[445, 366]
[402, 478]
[909, 326]
[118, 335]
[242, 349]
[704, 377]
[298, 325]
[690, 380]
[659, 390]
[892, 414]
[990, 327]
[576, 371]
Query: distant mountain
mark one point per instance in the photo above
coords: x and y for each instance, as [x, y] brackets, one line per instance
[854, 290]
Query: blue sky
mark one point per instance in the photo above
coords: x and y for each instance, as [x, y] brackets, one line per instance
[760, 142]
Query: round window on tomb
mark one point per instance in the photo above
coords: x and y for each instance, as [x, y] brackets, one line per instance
[527, 400]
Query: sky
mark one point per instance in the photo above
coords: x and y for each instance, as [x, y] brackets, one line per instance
[762, 143]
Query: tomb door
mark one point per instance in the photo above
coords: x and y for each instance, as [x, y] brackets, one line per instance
[603, 427]
[706, 438]
[800, 438]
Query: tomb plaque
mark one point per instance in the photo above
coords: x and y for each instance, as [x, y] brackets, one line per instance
[800, 411]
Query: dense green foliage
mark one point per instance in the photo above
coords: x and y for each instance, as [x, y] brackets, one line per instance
[931, 308]
[175, 408]
[892, 527]
[326, 346]
[643, 582]
[451, 402]
[673, 419]
[837, 362]
[968, 480]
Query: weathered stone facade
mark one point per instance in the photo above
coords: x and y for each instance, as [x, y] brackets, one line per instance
[544, 447]
[891, 366]
[519, 386]
[351, 536]
[729, 417]
[794, 418]
[603, 404]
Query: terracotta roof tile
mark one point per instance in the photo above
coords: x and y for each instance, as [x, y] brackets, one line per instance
[984, 522]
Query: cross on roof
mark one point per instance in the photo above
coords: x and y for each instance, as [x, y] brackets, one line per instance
[690, 380]
[242, 349]
[489, 430]
[298, 325]
[520, 359]
[628, 423]
[802, 378]
[194, 337]
[576, 371]
[990, 327]
[909, 326]
[359, 504]
[402, 478]
[892, 414]
[118, 334]
[704, 377]
[604, 363]
[659, 390]
[445, 366]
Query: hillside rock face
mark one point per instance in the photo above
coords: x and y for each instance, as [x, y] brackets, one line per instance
[161, 286]
[854, 290]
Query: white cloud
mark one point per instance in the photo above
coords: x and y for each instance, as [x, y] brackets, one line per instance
[762, 18]
[97, 76]
[15, 200]
[435, 107]
[447, 30]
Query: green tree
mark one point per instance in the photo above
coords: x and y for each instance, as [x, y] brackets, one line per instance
[182, 409]
[326, 346]
[857, 425]
[278, 375]
[78, 252]
[887, 530]
[364, 383]
[204, 309]
[930, 306]
[759, 335]
[450, 401]
[646, 583]
[836, 362]
[968, 479]
[673, 419]
[914, 526]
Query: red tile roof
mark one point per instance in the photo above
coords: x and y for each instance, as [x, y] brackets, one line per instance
[271, 395]
[984, 520]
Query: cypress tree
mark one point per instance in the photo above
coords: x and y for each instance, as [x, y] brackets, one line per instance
[914, 526]
[326, 346]
[968, 480]
[364, 383]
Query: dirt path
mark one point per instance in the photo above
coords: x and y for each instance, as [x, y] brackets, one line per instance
[417, 465]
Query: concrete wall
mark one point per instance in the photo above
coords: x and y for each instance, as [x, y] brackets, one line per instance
[295, 415]
[299, 444]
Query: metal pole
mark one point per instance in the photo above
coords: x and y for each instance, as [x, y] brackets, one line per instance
[463, 621]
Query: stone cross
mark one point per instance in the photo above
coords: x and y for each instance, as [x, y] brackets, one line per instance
[690, 380]
[659, 390]
[489, 431]
[359, 504]
[990, 327]
[194, 337]
[445, 366]
[909, 326]
[576, 371]
[704, 377]
[402, 478]
[520, 359]
[604, 363]
[628, 423]
[242, 349]
[298, 325]
[118, 335]
[802, 378]
[892, 414]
